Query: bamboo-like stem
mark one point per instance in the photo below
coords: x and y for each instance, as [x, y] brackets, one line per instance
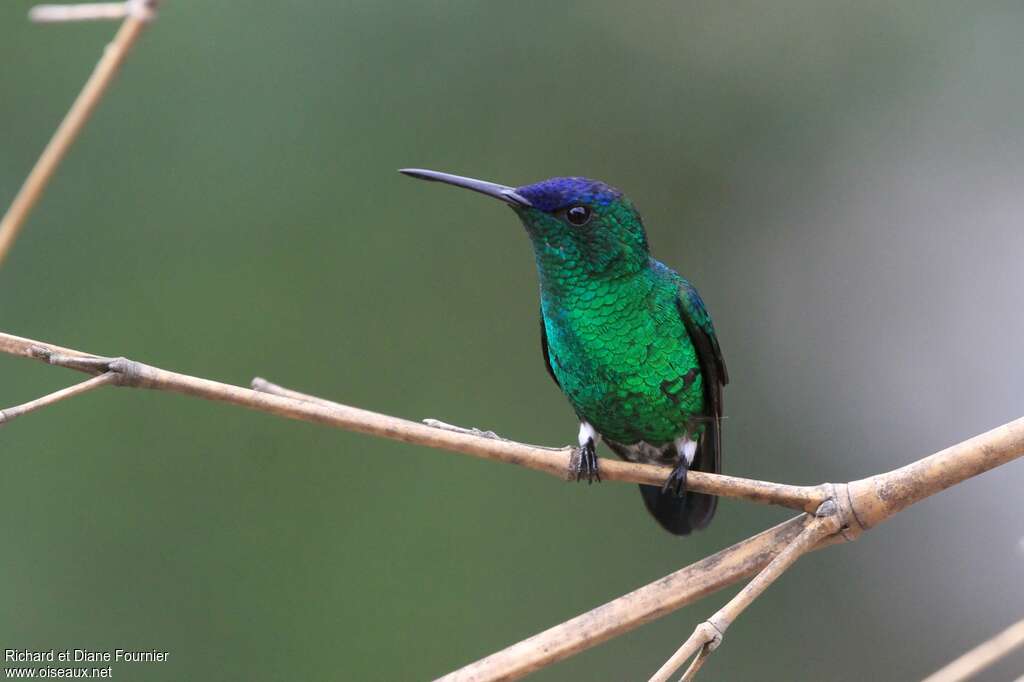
[795, 497]
[701, 642]
[981, 656]
[70, 392]
[879, 497]
[860, 505]
[647, 603]
[553, 461]
[708, 635]
[857, 506]
[69, 128]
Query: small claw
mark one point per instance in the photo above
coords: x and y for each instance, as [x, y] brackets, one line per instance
[586, 464]
[676, 481]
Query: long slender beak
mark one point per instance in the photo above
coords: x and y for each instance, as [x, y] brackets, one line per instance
[491, 189]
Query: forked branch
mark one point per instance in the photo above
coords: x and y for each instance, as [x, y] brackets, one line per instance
[857, 506]
[708, 635]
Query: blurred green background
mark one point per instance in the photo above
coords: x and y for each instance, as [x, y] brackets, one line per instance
[841, 180]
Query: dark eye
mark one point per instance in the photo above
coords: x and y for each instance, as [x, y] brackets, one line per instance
[578, 215]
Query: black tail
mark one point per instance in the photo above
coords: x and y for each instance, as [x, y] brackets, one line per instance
[692, 511]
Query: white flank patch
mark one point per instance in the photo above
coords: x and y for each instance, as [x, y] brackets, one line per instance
[687, 448]
[587, 432]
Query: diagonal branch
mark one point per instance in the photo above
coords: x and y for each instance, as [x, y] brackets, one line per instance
[136, 16]
[861, 505]
[708, 635]
[981, 656]
[647, 603]
[71, 391]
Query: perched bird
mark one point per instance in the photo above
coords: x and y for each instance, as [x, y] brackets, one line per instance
[628, 341]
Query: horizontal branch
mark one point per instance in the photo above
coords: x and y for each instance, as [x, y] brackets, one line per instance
[294, 405]
[865, 503]
[85, 11]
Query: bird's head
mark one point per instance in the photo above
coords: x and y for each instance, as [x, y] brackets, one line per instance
[579, 227]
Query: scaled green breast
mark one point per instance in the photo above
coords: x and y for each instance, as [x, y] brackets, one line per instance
[624, 359]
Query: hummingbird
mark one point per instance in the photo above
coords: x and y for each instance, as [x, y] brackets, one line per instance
[626, 339]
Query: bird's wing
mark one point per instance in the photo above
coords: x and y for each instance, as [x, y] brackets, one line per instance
[544, 350]
[698, 325]
[702, 332]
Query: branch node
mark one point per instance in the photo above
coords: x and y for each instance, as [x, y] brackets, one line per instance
[851, 527]
[827, 508]
[129, 372]
[711, 634]
[125, 372]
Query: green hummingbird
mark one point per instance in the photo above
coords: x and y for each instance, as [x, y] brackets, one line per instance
[628, 341]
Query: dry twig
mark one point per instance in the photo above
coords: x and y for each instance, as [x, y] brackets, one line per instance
[981, 656]
[858, 505]
[51, 398]
[708, 635]
[136, 14]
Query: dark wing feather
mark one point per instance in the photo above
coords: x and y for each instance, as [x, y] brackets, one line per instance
[700, 508]
[702, 332]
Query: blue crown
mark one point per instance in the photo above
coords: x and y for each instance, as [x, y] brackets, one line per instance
[558, 193]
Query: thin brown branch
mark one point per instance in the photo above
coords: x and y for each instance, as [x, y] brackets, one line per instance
[981, 656]
[708, 635]
[318, 410]
[805, 498]
[858, 505]
[71, 391]
[647, 603]
[68, 130]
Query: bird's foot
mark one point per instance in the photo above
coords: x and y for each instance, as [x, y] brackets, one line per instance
[584, 465]
[676, 482]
